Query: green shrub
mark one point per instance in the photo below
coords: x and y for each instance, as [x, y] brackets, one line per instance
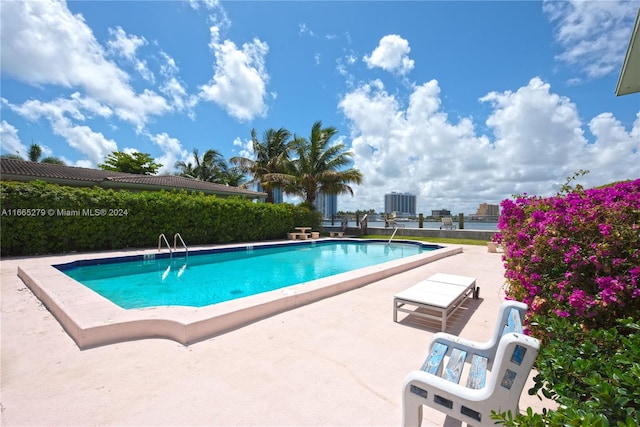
[41, 218]
[593, 375]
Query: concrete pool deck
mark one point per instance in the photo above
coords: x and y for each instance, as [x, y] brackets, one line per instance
[339, 361]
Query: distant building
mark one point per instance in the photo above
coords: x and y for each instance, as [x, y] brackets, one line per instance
[486, 209]
[486, 212]
[327, 204]
[277, 195]
[440, 213]
[404, 204]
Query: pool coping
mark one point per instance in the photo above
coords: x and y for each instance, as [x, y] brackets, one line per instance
[92, 320]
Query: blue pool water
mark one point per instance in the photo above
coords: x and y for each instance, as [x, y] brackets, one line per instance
[212, 276]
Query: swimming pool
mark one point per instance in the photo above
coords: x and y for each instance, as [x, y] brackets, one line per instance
[93, 320]
[214, 276]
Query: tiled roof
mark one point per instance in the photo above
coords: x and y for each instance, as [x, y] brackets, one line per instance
[47, 170]
[24, 170]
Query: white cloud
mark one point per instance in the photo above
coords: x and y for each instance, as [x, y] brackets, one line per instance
[538, 140]
[414, 150]
[593, 34]
[240, 78]
[126, 46]
[59, 113]
[304, 30]
[169, 68]
[44, 44]
[92, 144]
[614, 147]
[174, 89]
[80, 163]
[217, 14]
[392, 54]
[245, 148]
[172, 152]
[343, 63]
[9, 140]
[130, 150]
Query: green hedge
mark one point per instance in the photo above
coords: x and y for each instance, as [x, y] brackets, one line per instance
[41, 218]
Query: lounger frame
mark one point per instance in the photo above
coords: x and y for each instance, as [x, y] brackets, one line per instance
[439, 296]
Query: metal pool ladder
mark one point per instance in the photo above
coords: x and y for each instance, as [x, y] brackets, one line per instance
[397, 226]
[175, 243]
[162, 237]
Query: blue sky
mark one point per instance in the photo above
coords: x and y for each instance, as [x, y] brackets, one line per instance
[459, 103]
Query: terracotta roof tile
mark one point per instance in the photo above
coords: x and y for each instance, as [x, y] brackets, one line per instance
[13, 168]
[46, 170]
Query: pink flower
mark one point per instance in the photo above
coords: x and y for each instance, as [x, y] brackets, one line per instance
[605, 229]
[577, 299]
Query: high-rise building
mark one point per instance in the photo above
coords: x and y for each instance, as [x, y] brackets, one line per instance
[404, 204]
[277, 195]
[327, 204]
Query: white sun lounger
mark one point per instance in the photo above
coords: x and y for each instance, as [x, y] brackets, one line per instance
[439, 296]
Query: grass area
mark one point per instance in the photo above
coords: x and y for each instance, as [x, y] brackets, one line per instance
[428, 239]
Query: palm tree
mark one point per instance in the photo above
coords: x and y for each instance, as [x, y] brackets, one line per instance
[269, 168]
[34, 154]
[186, 169]
[319, 166]
[210, 167]
[235, 177]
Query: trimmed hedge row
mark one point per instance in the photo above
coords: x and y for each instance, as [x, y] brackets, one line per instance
[41, 218]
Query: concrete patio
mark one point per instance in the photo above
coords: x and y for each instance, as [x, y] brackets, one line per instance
[336, 362]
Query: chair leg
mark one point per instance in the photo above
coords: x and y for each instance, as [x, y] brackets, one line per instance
[411, 409]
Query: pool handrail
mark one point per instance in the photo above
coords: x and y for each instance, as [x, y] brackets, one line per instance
[175, 241]
[162, 237]
[344, 224]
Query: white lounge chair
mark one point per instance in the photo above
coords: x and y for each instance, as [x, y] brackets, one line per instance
[447, 224]
[439, 296]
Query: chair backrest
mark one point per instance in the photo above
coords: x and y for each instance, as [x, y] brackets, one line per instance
[447, 223]
[514, 360]
[510, 317]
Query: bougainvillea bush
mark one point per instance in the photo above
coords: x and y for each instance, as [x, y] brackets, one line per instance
[575, 260]
[576, 254]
